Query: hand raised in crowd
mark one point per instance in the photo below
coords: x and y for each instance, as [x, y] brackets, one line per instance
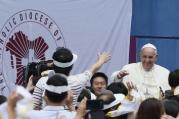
[122, 73]
[81, 111]
[130, 87]
[13, 99]
[104, 57]
[11, 104]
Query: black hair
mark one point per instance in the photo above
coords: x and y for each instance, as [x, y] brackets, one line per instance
[106, 96]
[171, 107]
[118, 87]
[84, 93]
[65, 70]
[173, 78]
[2, 99]
[99, 74]
[173, 97]
[150, 108]
[62, 55]
[56, 80]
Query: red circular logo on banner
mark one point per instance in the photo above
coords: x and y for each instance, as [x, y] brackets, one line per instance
[27, 36]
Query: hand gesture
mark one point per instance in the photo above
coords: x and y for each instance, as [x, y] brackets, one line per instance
[122, 73]
[81, 111]
[104, 57]
[13, 99]
[130, 87]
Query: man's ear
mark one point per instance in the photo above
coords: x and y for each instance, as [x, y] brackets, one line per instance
[139, 55]
[156, 57]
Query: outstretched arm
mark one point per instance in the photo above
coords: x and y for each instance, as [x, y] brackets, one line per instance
[102, 58]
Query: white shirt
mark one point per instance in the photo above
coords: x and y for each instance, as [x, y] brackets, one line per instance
[51, 112]
[75, 82]
[147, 82]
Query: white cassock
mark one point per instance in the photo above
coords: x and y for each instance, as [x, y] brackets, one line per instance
[149, 83]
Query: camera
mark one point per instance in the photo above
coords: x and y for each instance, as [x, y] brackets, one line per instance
[90, 104]
[94, 104]
[35, 69]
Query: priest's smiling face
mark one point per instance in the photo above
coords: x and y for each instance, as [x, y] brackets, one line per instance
[148, 58]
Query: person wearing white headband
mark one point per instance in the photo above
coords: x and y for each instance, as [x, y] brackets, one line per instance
[63, 60]
[150, 78]
[56, 97]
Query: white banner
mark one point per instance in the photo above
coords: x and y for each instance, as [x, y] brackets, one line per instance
[30, 30]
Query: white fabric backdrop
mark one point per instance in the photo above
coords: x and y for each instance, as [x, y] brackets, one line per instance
[84, 26]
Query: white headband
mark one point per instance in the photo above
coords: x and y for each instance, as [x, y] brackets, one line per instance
[57, 89]
[67, 64]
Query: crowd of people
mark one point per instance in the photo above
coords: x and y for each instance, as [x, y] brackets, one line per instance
[142, 90]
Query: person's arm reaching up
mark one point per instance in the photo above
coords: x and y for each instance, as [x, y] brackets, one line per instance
[102, 58]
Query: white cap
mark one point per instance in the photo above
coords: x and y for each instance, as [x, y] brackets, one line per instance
[149, 45]
[118, 99]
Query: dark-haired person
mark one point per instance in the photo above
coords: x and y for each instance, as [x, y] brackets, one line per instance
[55, 95]
[128, 105]
[63, 60]
[173, 80]
[111, 102]
[118, 87]
[150, 108]
[99, 82]
[116, 106]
